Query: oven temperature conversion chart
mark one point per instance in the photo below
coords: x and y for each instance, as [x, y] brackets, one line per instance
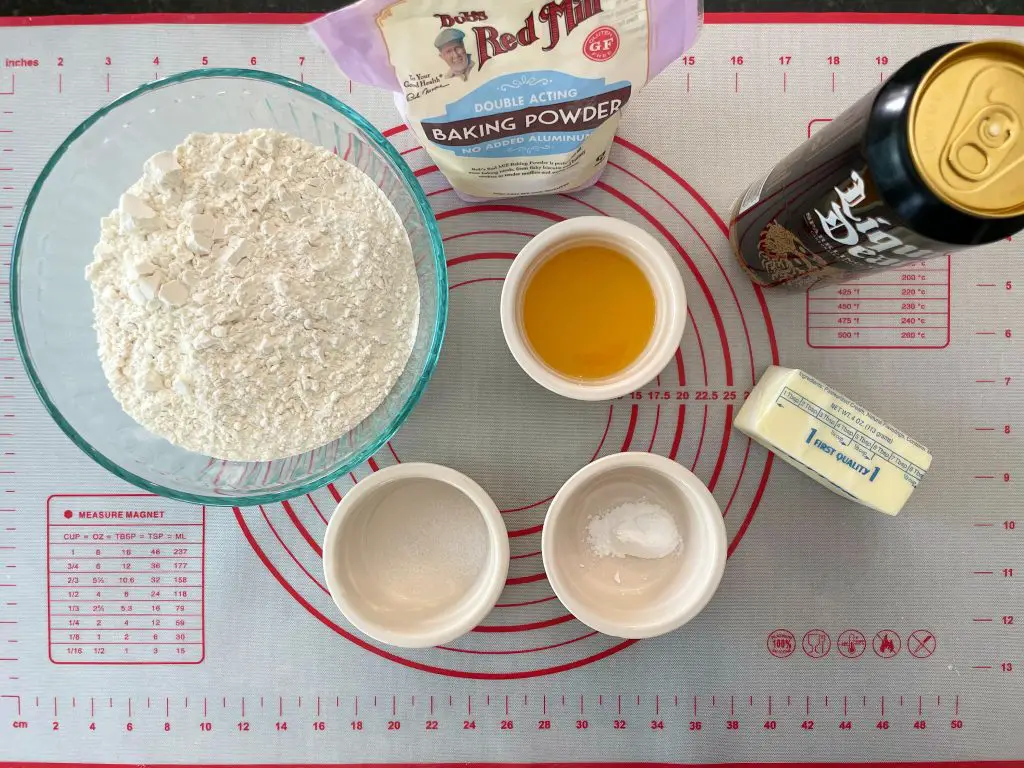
[135, 629]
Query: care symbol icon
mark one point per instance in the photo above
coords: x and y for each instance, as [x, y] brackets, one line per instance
[886, 644]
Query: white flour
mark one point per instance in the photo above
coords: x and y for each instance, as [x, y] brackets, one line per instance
[634, 529]
[255, 296]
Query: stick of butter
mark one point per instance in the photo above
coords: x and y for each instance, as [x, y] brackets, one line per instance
[833, 440]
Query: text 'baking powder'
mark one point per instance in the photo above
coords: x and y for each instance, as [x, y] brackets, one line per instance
[521, 97]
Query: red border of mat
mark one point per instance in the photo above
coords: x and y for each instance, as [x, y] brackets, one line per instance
[940, 19]
[951, 764]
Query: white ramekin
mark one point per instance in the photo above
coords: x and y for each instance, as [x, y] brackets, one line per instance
[688, 578]
[657, 265]
[349, 584]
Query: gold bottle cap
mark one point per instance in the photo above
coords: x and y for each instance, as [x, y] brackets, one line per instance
[967, 129]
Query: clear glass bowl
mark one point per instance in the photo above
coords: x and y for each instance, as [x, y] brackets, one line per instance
[51, 301]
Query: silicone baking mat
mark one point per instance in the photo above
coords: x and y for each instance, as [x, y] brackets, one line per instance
[195, 635]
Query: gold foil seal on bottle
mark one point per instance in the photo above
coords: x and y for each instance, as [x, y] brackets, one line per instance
[966, 129]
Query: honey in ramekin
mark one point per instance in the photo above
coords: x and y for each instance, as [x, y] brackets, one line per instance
[588, 311]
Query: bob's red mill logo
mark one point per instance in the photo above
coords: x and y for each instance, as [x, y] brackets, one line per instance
[558, 19]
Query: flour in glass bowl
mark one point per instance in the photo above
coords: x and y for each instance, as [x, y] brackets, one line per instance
[255, 296]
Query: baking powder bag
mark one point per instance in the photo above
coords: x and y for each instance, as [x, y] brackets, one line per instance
[511, 97]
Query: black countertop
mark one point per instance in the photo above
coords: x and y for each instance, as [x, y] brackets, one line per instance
[50, 7]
